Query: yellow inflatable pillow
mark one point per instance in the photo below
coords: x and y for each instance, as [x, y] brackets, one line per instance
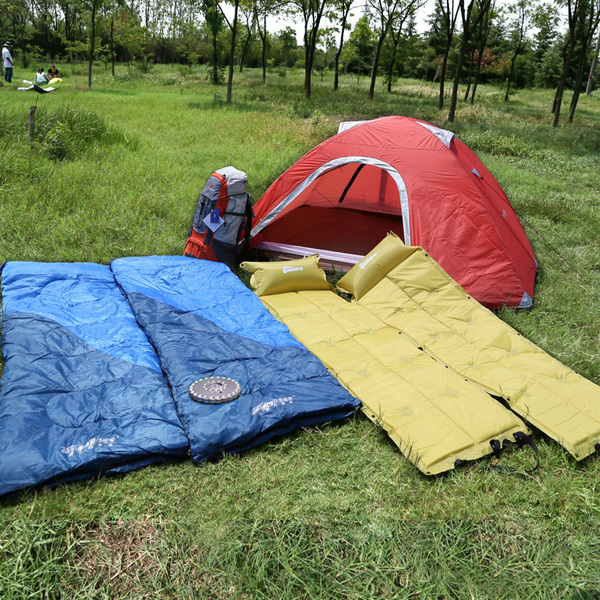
[374, 266]
[283, 276]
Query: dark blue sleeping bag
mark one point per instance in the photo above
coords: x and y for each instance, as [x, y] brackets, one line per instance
[82, 391]
[204, 322]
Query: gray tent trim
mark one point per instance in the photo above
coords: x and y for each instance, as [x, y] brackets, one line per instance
[336, 164]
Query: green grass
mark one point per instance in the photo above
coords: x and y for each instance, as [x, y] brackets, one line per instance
[330, 512]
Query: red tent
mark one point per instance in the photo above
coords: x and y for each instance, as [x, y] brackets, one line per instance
[407, 176]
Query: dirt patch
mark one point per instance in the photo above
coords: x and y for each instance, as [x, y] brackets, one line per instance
[120, 553]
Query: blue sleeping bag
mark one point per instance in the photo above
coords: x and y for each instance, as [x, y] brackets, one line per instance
[204, 322]
[82, 391]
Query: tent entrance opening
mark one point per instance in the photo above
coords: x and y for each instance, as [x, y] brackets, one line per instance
[366, 206]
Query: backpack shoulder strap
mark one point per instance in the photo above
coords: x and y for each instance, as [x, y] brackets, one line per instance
[245, 228]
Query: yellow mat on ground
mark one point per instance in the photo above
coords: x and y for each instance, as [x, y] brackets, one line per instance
[406, 289]
[434, 416]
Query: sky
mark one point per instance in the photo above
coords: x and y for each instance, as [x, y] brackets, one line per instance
[275, 24]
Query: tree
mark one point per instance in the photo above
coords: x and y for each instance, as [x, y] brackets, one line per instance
[111, 7]
[549, 69]
[342, 9]
[326, 49]
[590, 83]
[92, 6]
[360, 48]
[233, 26]
[111, 46]
[312, 12]
[479, 50]
[285, 45]
[545, 20]
[395, 35]
[521, 15]
[590, 24]
[469, 23]
[131, 35]
[70, 11]
[421, 60]
[14, 23]
[388, 12]
[448, 11]
[214, 22]
[263, 8]
[250, 18]
[582, 19]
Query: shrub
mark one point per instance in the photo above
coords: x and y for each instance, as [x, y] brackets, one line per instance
[66, 132]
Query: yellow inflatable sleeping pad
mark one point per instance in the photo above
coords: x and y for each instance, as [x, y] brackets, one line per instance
[406, 289]
[432, 414]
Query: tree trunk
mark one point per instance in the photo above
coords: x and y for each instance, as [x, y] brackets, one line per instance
[112, 47]
[459, 64]
[215, 67]
[310, 47]
[562, 83]
[450, 21]
[510, 76]
[476, 78]
[443, 71]
[232, 53]
[339, 53]
[482, 44]
[392, 63]
[92, 43]
[470, 74]
[244, 50]
[376, 65]
[590, 83]
[468, 28]
[478, 49]
[264, 50]
[307, 74]
[336, 74]
[565, 52]
[579, 81]
[32, 123]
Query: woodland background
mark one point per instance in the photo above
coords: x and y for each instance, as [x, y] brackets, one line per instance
[520, 43]
[156, 96]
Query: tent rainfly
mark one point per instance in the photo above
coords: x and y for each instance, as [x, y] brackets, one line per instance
[407, 176]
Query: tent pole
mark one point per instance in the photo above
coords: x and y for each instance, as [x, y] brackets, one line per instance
[352, 180]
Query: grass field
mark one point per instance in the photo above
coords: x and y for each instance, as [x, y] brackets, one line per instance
[325, 513]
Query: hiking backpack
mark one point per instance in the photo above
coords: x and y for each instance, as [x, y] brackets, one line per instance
[221, 226]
